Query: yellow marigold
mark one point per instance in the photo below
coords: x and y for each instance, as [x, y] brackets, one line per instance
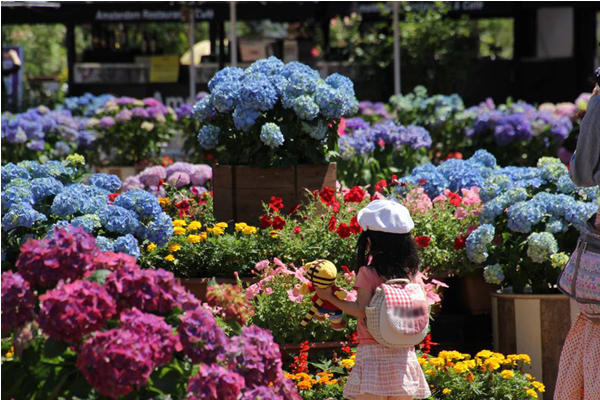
[249, 230]
[10, 353]
[170, 257]
[539, 386]
[179, 222]
[305, 385]
[452, 355]
[470, 377]
[222, 225]
[528, 376]
[348, 363]
[240, 226]
[288, 375]
[524, 357]
[484, 354]
[491, 364]
[470, 364]
[431, 372]
[274, 234]
[437, 361]
[302, 376]
[174, 247]
[532, 393]
[422, 361]
[194, 226]
[446, 391]
[151, 247]
[460, 367]
[203, 236]
[164, 201]
[178, 230]
[194, 238]
[507, 374]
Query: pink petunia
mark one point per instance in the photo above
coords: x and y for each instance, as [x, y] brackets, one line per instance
[295, 295]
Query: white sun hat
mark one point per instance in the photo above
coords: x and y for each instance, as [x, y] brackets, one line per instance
[385, 216]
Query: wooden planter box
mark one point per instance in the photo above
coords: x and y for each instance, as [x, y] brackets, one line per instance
[536, 325]
[199, 286]
[240, 191]
[475, 294]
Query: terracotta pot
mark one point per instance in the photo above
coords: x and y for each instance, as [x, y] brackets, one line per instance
[240, 191]
[536, 325]
[198, 286]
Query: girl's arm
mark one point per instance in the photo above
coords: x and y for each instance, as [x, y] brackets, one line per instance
[354, 308]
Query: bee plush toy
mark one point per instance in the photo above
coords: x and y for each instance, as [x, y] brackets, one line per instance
[321, 274]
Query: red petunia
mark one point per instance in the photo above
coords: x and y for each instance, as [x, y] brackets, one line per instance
[294, 209]
[354, 226]
[355, 195]
[265, 221]
[380, 186]
[343, 230]
[394, 180]
[346, 349]
[455, 199]
[278, 223]
[276, 203]
[297, 229]
[113, 196]
[422, 182]
[422, 241]
[332, 222]
[327, 195]
[335, 206]
[460, 243]
[345, 269]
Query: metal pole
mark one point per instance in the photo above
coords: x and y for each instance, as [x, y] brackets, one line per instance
[396, 49]
[233, 33]
[192, 40]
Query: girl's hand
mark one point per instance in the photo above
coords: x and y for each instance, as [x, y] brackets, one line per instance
[324, 294]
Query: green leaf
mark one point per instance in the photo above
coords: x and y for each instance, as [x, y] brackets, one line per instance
[166, 380]
[53, 349]
[99, 276]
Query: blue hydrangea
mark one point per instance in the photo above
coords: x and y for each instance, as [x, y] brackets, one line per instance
[119, 220]
[493, 187]
[257, 93]
[434, 181]
[203, 109]
[56, 169]
[565, 184]
[267, 66]
[127, 244]
[579, 212]
[589, 193]
[227, 75]
[493, 274]
[270, 135]
[21, 215]
[45, 187]
[484, 158]
[295, 68]
[332, 102]
[556, 224]
[79, 199]
[341, 82]
[460, 175]
[143, 203]
[34, 168]
[89, 222]
[208, 136]
[104, 243]
[225, 97]
[478, 241]
[108, 182]
[523, 215]
[57, 225]
[316, 131]
[540, 246]
[305, 108]
[244, 118]
[160, 230]
[11, 171]
[14, 195]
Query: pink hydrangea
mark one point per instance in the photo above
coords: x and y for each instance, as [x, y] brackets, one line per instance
[156, 332]
[116, 362]
[471, 196]
[201, 338]
[64, 256]
[262, 393]
[75, 309]
[18, 301]
[112, 262]
[179, 179]
[132, 183]
[200, 173]
[152, 176]
[259, 360]
[213, 382]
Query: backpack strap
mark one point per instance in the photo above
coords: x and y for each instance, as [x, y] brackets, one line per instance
[391, 281]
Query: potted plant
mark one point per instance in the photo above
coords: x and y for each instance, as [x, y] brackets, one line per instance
[276, 124]
[530, 222]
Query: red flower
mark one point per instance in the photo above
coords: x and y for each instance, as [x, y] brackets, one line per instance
[297, 229]
[343, 230]
[355, 195]
[394, 179]
[345, 269]
[460, 243]
[422, 182]
[455, 199]
[422, 241]
[166, 161]
[346, 349]
[332, 222]
[265, 221]
[354, 226]
[276, 203]
[294, 209]
[113, 196]
[380, 186]
[327, 195]
[278, 223]
[353, 338]
[335, 207]
[183, 207]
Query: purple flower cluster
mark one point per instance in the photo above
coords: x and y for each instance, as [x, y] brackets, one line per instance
[63, 256]
[370, 109]
[18, 301]
[202, 340]
[73, 310]
[214, 382]
[115, 362]
[114, 262]
[179, 174]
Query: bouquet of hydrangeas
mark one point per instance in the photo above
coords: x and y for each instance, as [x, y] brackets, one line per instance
[369, 153]
[41, 134]
[516, 133]
[273, 114]
[81, 323]
[131, 131]
[441, 115]
[530, 218]
[37, 198]
[179, 175]
[85, 105]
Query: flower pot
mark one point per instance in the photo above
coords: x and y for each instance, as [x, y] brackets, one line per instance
[239, 191]
[198, 286]
[122, 172]
[536, 325]
[475, 294]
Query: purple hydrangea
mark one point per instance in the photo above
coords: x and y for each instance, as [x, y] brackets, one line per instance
[262, 393]
[63, 256]
[200, 173]
[140, 113]
[179, 179]
[106, 122]
[124, 116]
[18, 301]
[258, 358]
[156, 332]
[116, 362]
[183, 111]
[152, 176]
[214, 382]
[132, 183]
[179, 166]
[114, 262]
[202, 340]
[75, 309]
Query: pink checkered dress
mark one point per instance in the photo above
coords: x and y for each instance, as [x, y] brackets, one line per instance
[385, 371]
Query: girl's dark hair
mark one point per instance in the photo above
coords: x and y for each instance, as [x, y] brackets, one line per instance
[392, 255]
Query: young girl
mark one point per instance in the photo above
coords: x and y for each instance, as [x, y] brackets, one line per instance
[385, 250]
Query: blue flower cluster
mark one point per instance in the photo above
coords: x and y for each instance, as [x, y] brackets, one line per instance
[270, 135]
[493, 274]
[37, 196]
[85, 105]
[429, 111]
[248, 94]
[540, 246]
[478, 241]
[362, 138]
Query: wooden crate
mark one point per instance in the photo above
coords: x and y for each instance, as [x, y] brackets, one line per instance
[239, 191]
